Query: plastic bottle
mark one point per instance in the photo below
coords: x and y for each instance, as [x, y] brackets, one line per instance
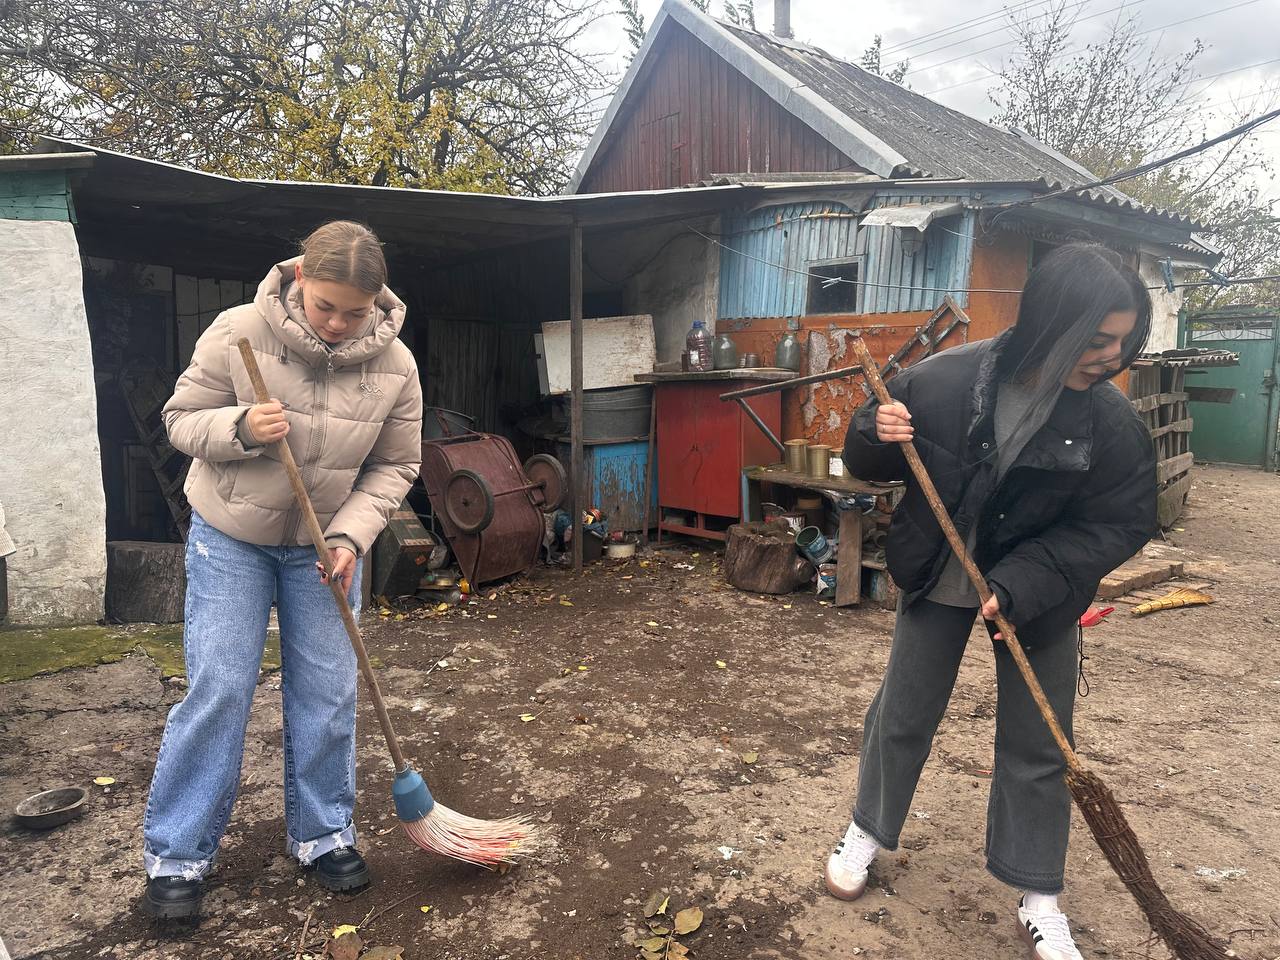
[725, 353]
[698, 343]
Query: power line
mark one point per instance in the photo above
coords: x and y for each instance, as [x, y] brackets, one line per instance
[988, 33]
[963, 24]
[1058, 56]
[1244, 128]
[998, 46]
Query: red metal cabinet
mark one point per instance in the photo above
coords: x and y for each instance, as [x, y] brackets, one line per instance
[703, 443]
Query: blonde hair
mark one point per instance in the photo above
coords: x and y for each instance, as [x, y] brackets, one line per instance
[345, 252]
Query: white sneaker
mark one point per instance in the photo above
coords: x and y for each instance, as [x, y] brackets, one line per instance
[847, 867]
[1047, 934]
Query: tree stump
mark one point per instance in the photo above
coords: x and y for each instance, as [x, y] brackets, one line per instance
[761, 558]
[146, 582]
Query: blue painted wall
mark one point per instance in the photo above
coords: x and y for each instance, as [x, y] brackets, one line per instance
[797, 235]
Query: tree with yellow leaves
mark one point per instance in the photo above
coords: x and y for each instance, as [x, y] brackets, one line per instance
[493, 95]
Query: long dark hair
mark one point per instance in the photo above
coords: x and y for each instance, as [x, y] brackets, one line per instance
[1064, 301]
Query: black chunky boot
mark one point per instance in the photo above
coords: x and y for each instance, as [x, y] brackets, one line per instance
[342, 870]
[172, 898]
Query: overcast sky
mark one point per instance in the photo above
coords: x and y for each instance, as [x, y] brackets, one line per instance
[1236, 34]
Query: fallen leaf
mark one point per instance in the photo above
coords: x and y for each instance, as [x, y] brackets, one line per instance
[652, 623]
[721, 664]
[400, 616]
[528, 717]
[751, 757]
[688, 920]
[656, 904]
[677, 949]
[441, 608]
[343, 930]
[650, 955]
[345, 945]
[644, 563]
[493, 596]
[696, 556]
[659, 930]
[786, 606]
[653, 943]
[395, 952]
[104, 781]
[582, 667]
[425, 908]
[565, 603]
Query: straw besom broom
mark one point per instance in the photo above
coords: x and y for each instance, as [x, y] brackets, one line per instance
[1183, 936]
[432, 826]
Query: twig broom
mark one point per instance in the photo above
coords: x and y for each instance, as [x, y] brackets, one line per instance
[1183, 936]
[432, 826]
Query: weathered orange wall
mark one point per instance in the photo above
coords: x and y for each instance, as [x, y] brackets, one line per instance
[1000, 262]
[821, 413]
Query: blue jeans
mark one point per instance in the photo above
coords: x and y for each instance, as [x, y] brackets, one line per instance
[230, 587]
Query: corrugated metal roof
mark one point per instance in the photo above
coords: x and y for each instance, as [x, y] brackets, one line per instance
[936, 141]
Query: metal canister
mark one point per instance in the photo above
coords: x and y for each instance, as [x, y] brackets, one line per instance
[796, 455]
[819, 456]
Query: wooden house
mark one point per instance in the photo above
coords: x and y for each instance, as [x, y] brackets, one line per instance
[912, 201]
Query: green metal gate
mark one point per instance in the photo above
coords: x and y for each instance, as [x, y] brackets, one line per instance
[1242, 430]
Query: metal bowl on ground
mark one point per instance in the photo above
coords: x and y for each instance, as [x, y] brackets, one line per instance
[50, 809]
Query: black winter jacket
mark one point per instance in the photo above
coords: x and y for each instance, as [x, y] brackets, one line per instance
[1079, 500]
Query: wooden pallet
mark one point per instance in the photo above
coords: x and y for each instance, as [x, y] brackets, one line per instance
[1159, 396]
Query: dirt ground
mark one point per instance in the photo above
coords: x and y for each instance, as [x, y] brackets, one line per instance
[637, 766]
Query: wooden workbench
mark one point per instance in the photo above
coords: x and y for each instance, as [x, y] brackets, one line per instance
[850, 560]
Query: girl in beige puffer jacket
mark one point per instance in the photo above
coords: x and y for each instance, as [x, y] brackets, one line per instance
[347, 399]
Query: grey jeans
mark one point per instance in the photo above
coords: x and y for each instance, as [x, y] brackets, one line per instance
[1029, 809]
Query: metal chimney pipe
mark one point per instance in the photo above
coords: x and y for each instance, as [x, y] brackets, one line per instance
[782, 19]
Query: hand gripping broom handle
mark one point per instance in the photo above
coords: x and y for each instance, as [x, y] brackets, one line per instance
[872, 373]
[322, 550]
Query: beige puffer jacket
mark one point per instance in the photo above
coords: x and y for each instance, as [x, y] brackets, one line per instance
[355, 422]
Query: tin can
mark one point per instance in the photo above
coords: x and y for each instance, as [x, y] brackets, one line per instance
[819, 457]
[796, 455]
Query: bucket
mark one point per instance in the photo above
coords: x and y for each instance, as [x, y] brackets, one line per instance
[614, 413]
[814, 545]
[819, 455]
[796, 455]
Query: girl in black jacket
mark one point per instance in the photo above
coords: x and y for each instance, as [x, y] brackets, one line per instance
[1050, 477]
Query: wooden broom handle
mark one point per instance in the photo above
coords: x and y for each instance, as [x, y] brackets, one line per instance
[322, 551]
[872, 373]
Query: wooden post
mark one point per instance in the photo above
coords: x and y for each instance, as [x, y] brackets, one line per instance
[575, 387]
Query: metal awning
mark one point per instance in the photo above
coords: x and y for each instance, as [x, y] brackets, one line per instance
[915, 216]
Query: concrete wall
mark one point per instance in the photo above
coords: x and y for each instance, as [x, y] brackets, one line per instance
[50, 463]
[1164, 305]
[677, 286]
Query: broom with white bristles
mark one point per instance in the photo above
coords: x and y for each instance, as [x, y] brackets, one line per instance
[432, 826]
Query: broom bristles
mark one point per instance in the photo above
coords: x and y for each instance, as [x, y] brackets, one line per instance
[485, 843]
[1185, 938]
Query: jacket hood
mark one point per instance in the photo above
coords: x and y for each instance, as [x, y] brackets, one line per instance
[378, 333]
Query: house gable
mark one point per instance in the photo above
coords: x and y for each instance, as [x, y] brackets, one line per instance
[697, 102]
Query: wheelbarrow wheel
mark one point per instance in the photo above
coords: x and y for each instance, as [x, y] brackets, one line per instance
[547, 474]
[468, 501]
